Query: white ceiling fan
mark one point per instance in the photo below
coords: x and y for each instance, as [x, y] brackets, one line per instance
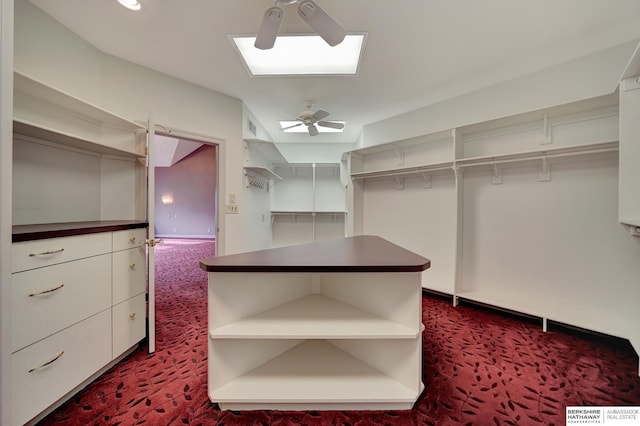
[311, 118]
[319, 20]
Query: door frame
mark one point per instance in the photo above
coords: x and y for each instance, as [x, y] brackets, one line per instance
[219, 143]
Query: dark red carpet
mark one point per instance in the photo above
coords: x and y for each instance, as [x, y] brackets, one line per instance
[480, 368]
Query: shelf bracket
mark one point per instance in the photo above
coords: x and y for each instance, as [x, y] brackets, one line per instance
[399, 182]
[496, 173]
[427, 179]
[547, 130]
[544, 172]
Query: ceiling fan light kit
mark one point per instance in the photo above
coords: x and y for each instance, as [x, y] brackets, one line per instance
[316, 17]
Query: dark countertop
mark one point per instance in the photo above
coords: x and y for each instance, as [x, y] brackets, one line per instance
[53, 230]
[364, 253]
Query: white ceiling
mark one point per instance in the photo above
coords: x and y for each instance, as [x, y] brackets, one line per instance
[418, 52]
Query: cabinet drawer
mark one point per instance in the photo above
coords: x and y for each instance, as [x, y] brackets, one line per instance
[129, 319]
[38, 253]
[129, 238]
[85, 349]
[45, 300]
[129, 273]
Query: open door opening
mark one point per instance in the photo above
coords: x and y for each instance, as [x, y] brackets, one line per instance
[182, 207]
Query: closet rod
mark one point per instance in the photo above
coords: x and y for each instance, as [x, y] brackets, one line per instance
[404, 172]
[537, 157]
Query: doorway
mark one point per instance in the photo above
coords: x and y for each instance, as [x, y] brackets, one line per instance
[186, 188]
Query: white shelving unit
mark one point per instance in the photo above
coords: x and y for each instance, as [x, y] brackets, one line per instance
[513, 212]
[308, 204]
[260, 158]
[79, 218]
[630, 145]
[308, 200]
[325, 325]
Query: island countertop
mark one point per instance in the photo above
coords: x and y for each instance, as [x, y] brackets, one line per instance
[364, 253]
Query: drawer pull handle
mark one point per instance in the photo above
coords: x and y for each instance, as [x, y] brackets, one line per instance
[132, 239]
[44, 253]
[51, 290]
[132, 265]
[132, 315]
[47, 363]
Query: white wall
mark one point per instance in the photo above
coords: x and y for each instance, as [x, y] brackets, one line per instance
[420, 219]
[49, 52]
[553, 247]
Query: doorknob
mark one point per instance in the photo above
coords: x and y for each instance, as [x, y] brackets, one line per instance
[153, 242]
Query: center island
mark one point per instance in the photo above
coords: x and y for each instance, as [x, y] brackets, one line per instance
[330, 325]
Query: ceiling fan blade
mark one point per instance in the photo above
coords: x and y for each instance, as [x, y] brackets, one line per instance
[321, 22]
[291, 127]
[331, 124]
[313, 130]
[320, 114]
[269, 27]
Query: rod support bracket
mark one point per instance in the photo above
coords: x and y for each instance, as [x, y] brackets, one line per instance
[496, 173]
[544, 171]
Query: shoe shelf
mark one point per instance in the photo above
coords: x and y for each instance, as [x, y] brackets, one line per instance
[318, 317]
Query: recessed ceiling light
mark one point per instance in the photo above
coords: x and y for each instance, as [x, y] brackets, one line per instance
[301, 55]
[131, 4]
[300, 128]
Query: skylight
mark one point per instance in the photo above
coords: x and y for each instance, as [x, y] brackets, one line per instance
[303, 129]
[301, 55]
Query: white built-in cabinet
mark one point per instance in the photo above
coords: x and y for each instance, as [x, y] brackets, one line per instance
[518, 212]
[78, 255]
[78, 304]
[630, 145]
[330, 325]
[307, 199]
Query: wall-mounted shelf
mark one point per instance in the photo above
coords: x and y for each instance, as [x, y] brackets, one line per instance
[523, 137]
[41, 133]
[266, 149]
[259, 177]
[39, 106]
[306, 213]
[263, 172]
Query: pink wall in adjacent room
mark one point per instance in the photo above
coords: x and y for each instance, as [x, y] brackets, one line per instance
[192, 184]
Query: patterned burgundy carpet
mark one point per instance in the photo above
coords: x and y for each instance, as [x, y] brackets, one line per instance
[480, 368]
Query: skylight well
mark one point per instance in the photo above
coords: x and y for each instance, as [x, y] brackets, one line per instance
[301, 55]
